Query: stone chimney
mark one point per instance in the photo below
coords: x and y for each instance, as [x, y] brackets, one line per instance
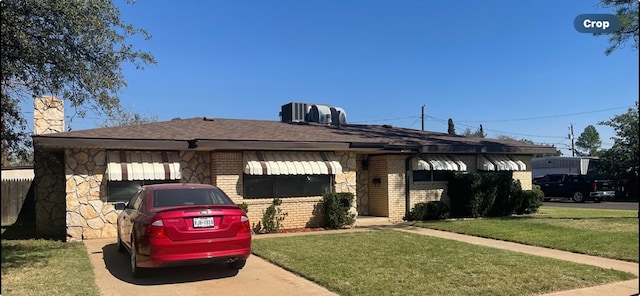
[48, 115]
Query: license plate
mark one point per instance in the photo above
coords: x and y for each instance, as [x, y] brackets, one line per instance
[199, 222]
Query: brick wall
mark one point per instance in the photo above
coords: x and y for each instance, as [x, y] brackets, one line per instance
[301, 211]
[378, 202]
[227, 173]
[396, 171]
[427, 191]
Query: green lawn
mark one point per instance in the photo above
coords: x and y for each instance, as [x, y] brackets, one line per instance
[381, 262]
[44, 267]
[605, 233]
[396, 263]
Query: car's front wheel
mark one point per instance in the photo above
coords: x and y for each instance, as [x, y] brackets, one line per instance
[578, 196]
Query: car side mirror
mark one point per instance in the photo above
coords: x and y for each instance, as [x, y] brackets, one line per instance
[120, 206]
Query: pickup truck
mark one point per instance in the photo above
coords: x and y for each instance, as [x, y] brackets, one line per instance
[577, 187]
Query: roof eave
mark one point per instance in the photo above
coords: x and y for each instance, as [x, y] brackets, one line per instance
[61, 142]
[269, 145]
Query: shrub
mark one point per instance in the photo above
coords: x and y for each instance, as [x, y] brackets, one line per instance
[463, 194]
[437, 210]
[487, 194]
[433, 210]
[507, 192]
[531, 200]
[418, 213]
[272, 218]
[244, 206]
[335, 210]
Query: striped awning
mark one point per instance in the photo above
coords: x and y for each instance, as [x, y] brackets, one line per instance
[291, 163]
[499, 163]
[143, 165]
[436, 162]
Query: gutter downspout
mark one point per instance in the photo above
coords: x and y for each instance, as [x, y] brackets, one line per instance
[407, 184]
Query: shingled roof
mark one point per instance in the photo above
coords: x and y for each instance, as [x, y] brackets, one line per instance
[239, 134]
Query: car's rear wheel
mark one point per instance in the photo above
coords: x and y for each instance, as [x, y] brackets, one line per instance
[121, 247]
[136, 271]
[578, 196]
[237, 264]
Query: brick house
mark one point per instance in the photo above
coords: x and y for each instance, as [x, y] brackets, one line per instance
[80, 175]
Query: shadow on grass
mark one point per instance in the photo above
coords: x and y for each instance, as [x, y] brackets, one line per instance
[19, 231]
[22, 247]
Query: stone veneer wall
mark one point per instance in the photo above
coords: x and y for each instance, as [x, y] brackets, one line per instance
[49, 185]
[227, 171]
[88, 214]
[196, 166]
[48, 115]
[362, 191]
[48, 118]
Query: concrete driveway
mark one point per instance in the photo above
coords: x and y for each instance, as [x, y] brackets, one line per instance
[258, 277]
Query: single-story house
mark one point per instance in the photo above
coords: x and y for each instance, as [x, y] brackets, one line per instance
[80, 175]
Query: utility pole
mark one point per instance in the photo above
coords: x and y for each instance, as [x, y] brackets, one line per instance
[573, 147]
[422, 117]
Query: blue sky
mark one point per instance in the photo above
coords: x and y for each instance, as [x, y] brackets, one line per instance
[519, 68]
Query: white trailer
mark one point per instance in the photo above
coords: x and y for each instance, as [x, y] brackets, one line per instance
[541, 166]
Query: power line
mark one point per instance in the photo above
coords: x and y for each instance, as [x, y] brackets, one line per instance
[388, 119]
[546, 117]
[502, 132]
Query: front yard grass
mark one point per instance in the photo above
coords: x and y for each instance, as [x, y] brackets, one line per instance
[605, 233]
[44, 267]
[388, 262]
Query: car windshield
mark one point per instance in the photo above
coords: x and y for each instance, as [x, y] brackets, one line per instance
[189, 196]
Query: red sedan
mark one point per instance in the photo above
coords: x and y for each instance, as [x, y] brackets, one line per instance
[182, 224]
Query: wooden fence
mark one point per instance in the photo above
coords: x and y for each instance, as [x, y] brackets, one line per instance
[17, 199]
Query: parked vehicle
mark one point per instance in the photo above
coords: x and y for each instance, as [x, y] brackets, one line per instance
[182, 224]
[578, 165]
[577, 187]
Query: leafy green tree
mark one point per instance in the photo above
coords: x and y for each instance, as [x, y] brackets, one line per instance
[452, 129]
[589, 141]
[478, 133]
[121, 116]
[66, 48]
[627, 13]
[622, 160]
[526, 141]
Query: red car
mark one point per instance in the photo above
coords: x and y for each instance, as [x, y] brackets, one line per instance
[182, 224]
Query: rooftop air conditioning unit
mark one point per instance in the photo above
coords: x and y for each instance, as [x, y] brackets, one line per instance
[294, 112]
[338, 116]
[320, 114]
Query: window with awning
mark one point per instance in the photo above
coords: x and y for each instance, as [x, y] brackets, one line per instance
[143, 165]
[291, 163]
[499, 162]
[436, 162]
